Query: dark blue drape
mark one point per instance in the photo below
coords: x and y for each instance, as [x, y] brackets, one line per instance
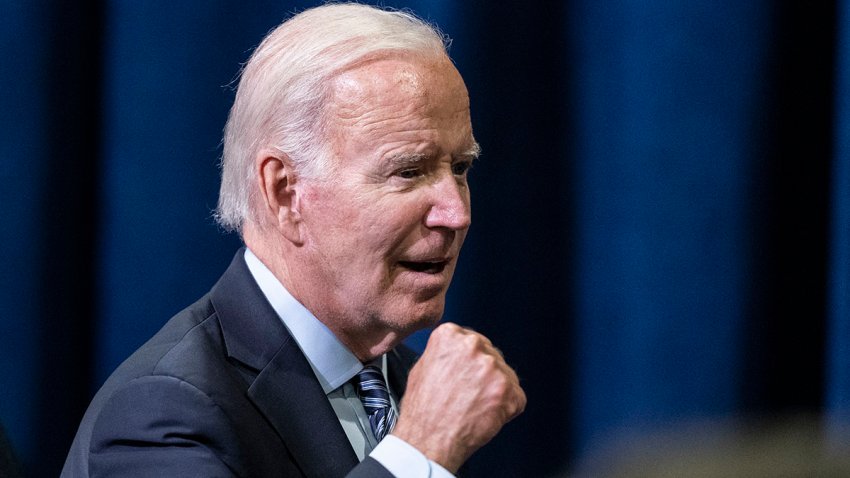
[838, 305]
[669, 103]
[661, 212]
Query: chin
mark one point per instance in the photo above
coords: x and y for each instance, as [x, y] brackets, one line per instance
[422, 320]
[430, 321]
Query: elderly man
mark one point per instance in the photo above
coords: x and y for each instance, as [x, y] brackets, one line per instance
[345, 167]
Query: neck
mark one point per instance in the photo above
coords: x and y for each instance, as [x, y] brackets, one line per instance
[364, 340]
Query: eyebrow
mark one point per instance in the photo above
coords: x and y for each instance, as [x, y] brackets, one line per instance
[407, 158]
[473, 152]
[411, 158]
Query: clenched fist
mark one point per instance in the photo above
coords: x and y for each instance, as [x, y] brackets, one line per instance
[459, 395]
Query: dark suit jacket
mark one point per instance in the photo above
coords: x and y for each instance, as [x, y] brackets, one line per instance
[221, 390]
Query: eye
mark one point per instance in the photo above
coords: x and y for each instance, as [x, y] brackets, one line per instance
[409, 173]
[461, 167]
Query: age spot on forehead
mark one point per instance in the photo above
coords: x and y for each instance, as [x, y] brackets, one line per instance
[410, 82]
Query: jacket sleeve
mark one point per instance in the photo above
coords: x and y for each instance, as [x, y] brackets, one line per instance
[162, 426]
[369, 468]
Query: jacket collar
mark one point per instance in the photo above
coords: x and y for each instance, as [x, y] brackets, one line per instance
[285, 389]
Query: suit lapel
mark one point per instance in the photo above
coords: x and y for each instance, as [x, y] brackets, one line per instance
[290, 397]
[285, 390]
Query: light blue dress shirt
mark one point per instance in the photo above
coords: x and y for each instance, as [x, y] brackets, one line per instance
[335, 366]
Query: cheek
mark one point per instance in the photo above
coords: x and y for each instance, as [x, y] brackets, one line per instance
[345, 228]
[328, 212]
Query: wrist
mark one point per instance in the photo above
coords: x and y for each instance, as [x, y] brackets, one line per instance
[436, 448]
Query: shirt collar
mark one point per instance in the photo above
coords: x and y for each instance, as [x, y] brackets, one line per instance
[331, 361]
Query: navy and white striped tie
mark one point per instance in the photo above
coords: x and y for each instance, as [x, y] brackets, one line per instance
[372, 391]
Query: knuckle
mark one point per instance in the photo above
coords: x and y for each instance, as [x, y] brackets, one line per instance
[487, 363]
[471, 341]
[442, 333]
[500, 386]
[514, 403]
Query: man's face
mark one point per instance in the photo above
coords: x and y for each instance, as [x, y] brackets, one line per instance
[384, 228]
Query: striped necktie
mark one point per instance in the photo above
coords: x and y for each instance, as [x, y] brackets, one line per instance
[372, 391]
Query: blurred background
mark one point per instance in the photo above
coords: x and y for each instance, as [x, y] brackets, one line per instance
[661, 228]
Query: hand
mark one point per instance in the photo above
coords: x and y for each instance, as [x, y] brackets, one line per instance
[459, 395]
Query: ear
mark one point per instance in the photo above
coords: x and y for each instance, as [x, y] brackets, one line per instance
[279, 194]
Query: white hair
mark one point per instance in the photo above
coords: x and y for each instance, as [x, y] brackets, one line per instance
[280, 99]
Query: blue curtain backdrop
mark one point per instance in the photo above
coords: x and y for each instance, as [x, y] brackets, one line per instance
[662, 210]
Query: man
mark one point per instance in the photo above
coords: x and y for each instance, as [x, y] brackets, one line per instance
[345, 171]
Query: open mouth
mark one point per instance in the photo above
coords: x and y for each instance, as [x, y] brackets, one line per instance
[429, 267]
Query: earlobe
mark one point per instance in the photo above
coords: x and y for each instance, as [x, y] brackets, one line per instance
[279, 194]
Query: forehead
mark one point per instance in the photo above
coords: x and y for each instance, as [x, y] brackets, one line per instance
[394, 86]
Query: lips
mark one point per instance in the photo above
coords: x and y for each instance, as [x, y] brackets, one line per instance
[427, 267]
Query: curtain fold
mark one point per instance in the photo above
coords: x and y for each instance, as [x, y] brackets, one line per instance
[838, 383]
[667, 102]
[23, 153]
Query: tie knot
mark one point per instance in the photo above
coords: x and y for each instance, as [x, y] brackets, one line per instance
[373, 393]
[372, 389]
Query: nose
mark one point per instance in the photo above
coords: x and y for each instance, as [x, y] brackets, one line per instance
[450, 207]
